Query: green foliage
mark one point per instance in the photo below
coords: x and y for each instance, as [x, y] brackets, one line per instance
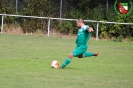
[98, 13]
[124, 30]
[67, 27]
[103, 31]
[118, 39]
[87, 9]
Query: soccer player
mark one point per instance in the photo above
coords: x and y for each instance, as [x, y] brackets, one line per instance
[83, 36]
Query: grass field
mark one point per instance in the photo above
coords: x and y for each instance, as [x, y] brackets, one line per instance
[25, 63]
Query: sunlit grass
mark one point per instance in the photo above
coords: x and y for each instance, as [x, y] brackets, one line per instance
[25, 63]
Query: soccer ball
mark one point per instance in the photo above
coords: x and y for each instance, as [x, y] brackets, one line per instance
[55, 64]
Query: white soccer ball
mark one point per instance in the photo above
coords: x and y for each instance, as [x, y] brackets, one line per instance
[55, 64]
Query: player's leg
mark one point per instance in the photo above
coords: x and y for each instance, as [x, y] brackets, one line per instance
[78, 51]
[89, 54]
[67, 61]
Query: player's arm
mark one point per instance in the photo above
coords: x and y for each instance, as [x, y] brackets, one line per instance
[90, 29]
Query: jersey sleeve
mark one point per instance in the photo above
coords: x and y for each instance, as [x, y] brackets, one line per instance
[86, 27]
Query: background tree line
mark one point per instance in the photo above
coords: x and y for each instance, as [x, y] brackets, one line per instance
[87, 9]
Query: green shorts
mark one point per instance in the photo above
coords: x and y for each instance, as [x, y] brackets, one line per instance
[78, 51]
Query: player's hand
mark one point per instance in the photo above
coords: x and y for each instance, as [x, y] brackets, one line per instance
[90, 29]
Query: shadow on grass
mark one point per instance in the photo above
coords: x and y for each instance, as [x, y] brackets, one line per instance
[71, 68]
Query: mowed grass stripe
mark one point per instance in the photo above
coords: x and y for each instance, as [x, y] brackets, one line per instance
[25, 63]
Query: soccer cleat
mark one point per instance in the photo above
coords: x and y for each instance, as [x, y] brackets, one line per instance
[80, 56]
[96, 54]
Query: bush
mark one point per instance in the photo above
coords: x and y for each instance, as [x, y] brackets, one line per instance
[67, 27]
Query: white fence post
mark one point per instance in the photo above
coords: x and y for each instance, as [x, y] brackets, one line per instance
[2, 24]
[97, 31]
[48, 26]
[49, 19]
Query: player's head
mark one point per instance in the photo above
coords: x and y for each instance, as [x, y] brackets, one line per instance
[80, 22]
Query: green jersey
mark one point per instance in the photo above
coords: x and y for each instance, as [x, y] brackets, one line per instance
[83, 36]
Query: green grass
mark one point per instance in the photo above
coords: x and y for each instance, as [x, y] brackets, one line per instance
[25, 63]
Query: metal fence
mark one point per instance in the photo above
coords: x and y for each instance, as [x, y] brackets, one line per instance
[49, 19]
[61, 7]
